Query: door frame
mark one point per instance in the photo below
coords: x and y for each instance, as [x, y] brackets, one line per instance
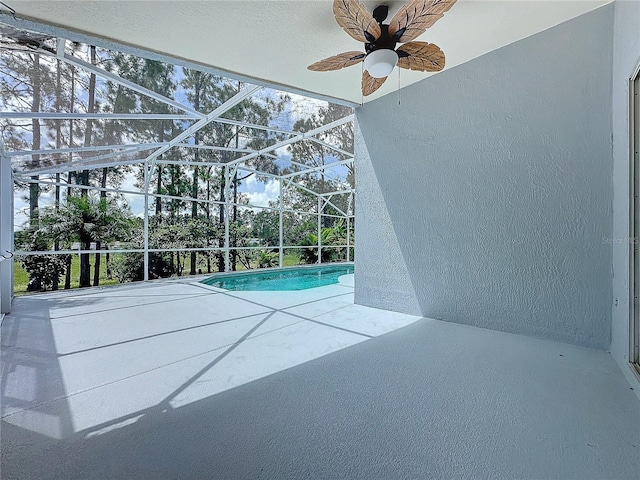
[634, 220]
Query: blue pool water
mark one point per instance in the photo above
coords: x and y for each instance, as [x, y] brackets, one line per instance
[285, 279]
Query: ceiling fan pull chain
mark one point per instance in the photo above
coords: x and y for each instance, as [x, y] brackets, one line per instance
[398, 86]
[361, 90]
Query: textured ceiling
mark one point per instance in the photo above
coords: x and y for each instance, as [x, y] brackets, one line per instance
[274, 41]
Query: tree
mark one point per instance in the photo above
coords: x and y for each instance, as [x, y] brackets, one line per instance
[199, 85]
[159, 77]
[85, 268]
[316, 154]
[129, 267]
[207, 92]
[266, 226]
[88, 219]
[25, 84]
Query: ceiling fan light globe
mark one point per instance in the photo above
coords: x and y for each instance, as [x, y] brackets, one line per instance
[380, 63]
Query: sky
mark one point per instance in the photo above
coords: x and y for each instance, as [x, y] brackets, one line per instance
[260, 193]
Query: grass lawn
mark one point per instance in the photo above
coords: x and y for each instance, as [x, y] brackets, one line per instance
[290, 260]
[21, 278]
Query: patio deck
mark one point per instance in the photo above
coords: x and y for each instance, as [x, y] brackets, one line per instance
[178, 379]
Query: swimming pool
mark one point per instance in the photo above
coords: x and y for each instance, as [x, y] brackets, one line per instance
[296, 278]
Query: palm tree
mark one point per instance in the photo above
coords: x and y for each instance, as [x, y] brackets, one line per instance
[329, 236]
[88, 219]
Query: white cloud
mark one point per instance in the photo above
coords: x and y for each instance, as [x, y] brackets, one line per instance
[260, 193]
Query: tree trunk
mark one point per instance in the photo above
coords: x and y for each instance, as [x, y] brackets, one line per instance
[72, 101]
[67, 273]
[194, 190]
[158, 191]
[234, 238]
[107, 256]
[194, 216]
[221, 256]
[174, 205]
[85, 244]
[159, 181]
[96, 266]
[85, 267]
[34, 188]
[234, 252]
[56, 243]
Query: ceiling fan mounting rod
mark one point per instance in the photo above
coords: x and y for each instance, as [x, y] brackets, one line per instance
[380, 13]
[384, 41]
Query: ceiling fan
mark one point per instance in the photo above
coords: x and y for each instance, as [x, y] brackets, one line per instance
[380, 40]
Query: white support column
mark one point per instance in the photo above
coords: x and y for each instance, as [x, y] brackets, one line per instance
[6, 231]
[320, 207]
[350, 202]
[227, 179]
[281, 223]
[147, 178]
[348, 239]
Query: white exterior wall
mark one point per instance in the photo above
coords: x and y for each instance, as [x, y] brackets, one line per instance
[488, 191]
[384, 279]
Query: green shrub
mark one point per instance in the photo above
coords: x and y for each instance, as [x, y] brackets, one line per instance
[267, 259]
[129, 267]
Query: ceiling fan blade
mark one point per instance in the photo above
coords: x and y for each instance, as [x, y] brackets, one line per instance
[416, 16]
[337, 62]
[370, 84]
[356, 20]
[421, 56]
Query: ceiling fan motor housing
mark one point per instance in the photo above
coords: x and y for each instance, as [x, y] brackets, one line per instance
[381, 57]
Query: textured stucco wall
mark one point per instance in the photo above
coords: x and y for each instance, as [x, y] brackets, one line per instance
[496, 189]
[383, 278]
[626, 55]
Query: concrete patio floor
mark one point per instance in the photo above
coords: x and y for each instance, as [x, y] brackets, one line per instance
[163, 344]
[177, 379]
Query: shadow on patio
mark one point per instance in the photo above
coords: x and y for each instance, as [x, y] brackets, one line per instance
[85, 362]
